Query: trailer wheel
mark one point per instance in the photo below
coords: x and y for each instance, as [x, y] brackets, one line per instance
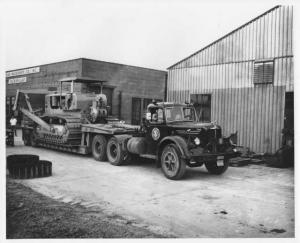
[213, 168]
[115, 154]
[172, 165]
[99, 147]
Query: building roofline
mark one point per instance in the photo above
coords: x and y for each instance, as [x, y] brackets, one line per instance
[83, 58]
[224, 36]
[123, 64]
[75, 59]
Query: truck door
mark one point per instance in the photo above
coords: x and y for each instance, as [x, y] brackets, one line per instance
[155, 130]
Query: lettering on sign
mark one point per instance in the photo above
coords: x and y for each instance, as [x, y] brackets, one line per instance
[23, 72]
[17, 80]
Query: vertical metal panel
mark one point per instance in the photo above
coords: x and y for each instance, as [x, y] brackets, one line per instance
[291, 31]
[273, 28]
[256, 112]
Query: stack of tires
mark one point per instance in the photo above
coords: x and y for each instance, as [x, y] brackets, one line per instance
[27, 166]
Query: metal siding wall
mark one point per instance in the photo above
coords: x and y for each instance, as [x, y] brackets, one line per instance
[225, 70]
[267, 37]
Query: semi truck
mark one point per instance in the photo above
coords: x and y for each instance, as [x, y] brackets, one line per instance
[170, 133]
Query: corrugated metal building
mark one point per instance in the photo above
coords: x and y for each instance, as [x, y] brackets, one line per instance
[244, 80]
[129, 89]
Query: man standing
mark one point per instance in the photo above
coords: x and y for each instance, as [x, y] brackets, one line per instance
[13, 123]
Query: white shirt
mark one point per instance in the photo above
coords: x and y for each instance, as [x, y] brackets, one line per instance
[13, 121]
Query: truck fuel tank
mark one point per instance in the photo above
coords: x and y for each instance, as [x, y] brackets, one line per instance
[137, 145]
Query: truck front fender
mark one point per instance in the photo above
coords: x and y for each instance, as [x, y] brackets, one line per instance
[179, 141]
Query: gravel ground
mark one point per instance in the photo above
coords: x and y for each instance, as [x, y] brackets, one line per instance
[32, 215]
[244, 202]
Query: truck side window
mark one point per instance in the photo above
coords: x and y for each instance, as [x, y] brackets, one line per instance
[160, 115]
[157, 116]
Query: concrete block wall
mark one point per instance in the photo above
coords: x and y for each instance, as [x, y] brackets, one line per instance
[130, 80]
[47, 77]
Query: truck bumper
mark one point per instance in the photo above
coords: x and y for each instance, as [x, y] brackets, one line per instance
[212, 156]
[197, 159]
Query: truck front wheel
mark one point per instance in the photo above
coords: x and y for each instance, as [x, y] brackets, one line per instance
[214, 168]
[173, 166]
[99, 147]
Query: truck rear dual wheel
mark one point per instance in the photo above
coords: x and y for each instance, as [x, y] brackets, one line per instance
[172, 165]
[213, 167]
[99, 144]
[115, 153]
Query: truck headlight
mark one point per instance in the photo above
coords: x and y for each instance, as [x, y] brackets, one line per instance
[197, 141]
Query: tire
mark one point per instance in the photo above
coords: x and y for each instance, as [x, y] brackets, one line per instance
[214, 169]
[21, 159]
[44, 168]
[27, 166]
[99, 145]
[115, 154]
[172, 165]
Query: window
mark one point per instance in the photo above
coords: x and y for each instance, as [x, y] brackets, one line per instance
[263, 72]
[179, 113]
[202, 104]
[55, 101]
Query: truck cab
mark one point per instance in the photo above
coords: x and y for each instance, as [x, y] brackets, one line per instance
[171, 134]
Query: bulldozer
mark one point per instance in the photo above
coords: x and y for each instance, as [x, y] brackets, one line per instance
[64, 114]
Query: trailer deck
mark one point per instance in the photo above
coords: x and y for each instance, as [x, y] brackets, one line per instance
[109, 129]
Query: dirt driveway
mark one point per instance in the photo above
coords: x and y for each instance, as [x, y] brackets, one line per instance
[252, 201]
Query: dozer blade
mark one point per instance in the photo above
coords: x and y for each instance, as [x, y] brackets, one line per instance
[36, 119]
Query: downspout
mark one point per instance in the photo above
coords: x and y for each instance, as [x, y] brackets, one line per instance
[120, 105]
[60, 95]
[166, 87]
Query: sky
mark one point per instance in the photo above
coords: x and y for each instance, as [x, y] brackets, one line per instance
[152, 34]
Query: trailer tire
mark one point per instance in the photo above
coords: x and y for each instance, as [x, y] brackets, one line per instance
[115, 153]
[214, 169]
[172, 165]
[99, 145]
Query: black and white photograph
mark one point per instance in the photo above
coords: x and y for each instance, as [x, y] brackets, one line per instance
[148, 119]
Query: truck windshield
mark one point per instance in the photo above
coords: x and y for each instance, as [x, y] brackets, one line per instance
[180, 113]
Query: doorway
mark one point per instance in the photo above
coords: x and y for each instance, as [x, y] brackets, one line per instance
[136, 111]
